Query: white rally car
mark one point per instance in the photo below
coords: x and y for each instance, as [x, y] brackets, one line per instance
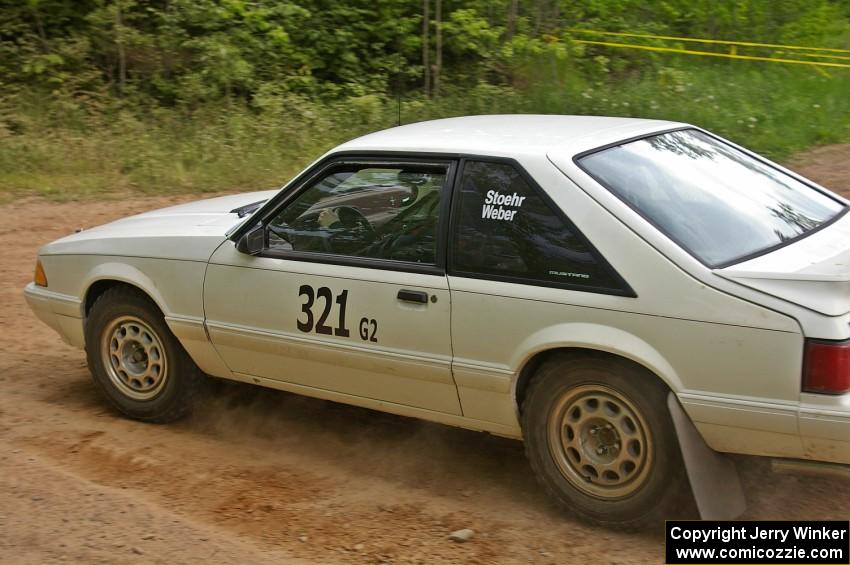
[629, 297]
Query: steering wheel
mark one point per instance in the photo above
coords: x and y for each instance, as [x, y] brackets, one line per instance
[351, 217]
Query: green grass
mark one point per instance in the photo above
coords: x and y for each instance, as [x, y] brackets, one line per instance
[211, 150]
[774, 109]
[62, 150]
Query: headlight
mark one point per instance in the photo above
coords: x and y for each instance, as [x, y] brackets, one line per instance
[40, 278]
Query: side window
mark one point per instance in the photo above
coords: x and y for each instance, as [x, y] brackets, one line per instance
[504, 228]
[377, 212]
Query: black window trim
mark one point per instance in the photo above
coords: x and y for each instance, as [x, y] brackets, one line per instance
[624, 289]
[308, 178]
[447, 213]
[735, 260]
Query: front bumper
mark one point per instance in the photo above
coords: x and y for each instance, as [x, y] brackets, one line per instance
[62, 313]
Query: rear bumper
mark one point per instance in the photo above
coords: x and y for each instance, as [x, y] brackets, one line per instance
[816, 429]
[825, 427]
[60, 312]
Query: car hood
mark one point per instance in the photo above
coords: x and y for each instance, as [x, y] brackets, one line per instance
[187, 232]
[813, 272]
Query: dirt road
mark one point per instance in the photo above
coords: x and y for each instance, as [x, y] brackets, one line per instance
[261, 476]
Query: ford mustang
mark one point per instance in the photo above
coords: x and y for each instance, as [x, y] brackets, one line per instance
[631, 298]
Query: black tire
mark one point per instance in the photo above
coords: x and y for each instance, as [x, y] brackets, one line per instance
[558, 418]
[165, 400]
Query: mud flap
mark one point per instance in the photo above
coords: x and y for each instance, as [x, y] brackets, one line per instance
[714, 479]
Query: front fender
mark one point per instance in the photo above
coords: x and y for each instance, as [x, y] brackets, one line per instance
[176, 287]
[128, 274]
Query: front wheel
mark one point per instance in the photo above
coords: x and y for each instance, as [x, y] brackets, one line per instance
[600, 439]
[136, 361]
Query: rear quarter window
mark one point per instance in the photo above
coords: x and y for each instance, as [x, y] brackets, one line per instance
[506, 229]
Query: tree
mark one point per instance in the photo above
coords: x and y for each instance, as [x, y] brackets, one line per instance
[426, 46]
[438, 63]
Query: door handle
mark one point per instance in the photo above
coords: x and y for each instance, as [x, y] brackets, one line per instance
[417, 296]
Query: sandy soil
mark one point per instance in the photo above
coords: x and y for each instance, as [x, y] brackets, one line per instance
[829, 165]
[262, 476]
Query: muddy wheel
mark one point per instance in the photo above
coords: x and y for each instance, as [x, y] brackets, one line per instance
[136, 361]
[600, 439]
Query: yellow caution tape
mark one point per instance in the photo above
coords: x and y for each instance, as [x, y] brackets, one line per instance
[712, 54]
[821, 56]
[715, 41]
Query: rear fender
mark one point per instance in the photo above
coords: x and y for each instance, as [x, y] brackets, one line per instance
[596, 337]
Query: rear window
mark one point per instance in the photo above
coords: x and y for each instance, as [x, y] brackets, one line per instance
[717, 202]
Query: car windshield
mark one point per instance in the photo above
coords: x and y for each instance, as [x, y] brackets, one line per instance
[717, 202]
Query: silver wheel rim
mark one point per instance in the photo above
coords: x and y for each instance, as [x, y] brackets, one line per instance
[134, 358]
[600, 442]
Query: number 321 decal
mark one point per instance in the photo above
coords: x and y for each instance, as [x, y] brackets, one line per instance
[368, 327]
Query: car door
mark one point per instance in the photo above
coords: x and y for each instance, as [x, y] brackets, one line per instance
[349, 293]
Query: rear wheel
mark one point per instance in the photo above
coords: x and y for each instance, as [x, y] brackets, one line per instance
[600, 439]
[135, 360]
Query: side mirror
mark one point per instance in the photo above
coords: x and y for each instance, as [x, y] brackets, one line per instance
[253, 241]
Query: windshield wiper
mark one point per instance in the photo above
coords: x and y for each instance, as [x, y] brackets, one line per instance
[247, 209]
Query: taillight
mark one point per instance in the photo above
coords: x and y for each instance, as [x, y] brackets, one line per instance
[40, 278]
[826, 367]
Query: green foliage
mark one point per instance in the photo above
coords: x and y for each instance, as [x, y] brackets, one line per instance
[193, 52]
[214, 148]
[196, 51]
[174, 95]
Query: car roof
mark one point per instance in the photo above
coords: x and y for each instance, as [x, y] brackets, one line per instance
[507, 135]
